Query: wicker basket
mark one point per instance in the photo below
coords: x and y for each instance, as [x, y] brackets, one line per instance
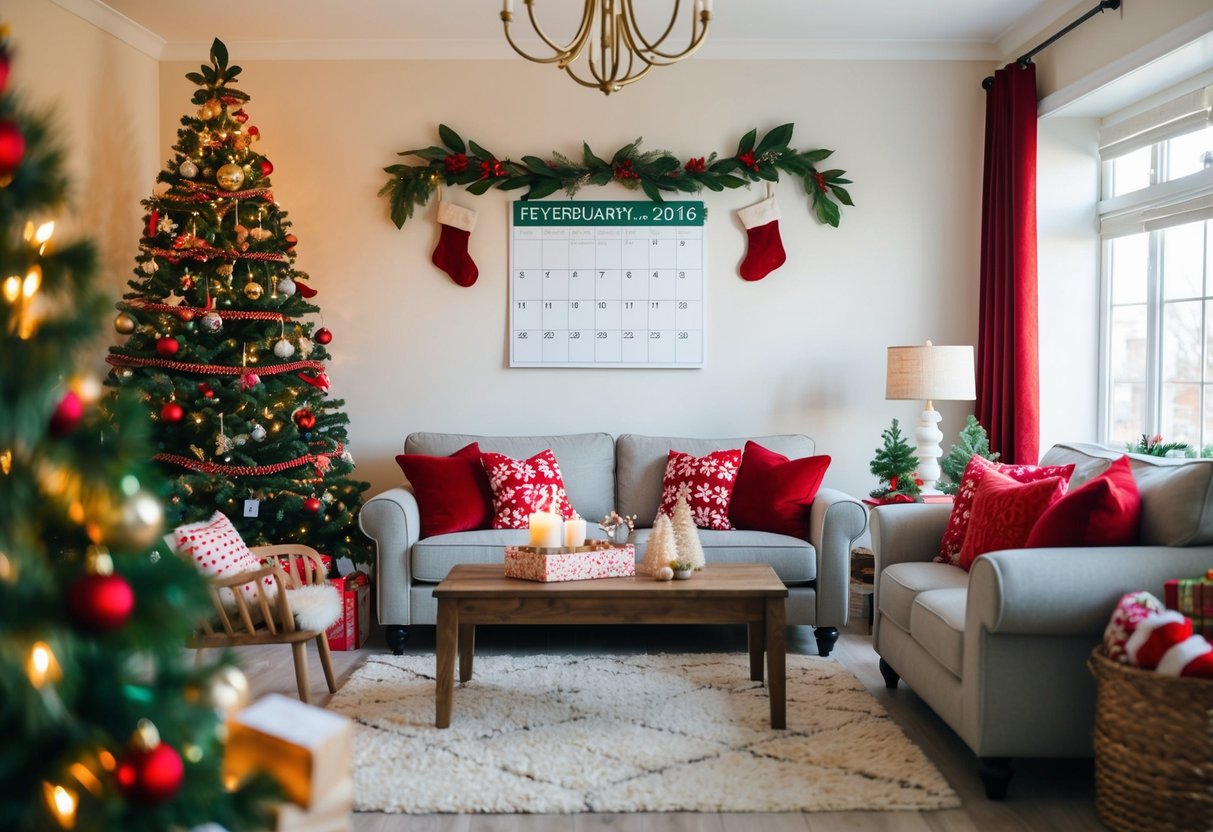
[1153, 749]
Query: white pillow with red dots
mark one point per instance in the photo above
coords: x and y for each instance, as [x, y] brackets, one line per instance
[217, 549]
[1144, 634]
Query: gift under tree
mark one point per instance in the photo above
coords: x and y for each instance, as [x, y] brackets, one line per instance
[219, 348]
[106, 723]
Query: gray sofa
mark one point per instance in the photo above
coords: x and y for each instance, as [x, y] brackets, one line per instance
[602, 473]
[1000, 652]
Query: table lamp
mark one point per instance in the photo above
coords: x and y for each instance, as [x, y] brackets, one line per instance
[930, 373]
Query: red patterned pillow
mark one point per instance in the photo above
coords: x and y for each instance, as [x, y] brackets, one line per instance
[218, 551]
[1105, 511]
[962, 506]
[1004, 512]
[452, 492]
[706, 482]
[524, 486]
[774, 493]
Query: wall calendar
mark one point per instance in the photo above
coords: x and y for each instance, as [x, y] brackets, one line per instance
[606, 284]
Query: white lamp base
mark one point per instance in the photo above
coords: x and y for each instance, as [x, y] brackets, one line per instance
[928, 436]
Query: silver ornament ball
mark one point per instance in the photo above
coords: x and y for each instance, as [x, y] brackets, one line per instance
[188, 169]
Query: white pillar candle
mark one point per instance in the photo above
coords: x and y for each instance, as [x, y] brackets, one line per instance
[574, 532]
[546, 529]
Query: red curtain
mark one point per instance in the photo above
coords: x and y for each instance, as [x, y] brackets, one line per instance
[1008, 384]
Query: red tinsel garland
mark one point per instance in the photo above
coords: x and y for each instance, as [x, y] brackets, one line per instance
[231, 314]
[205, 193]
[244, 470]
[203, 254]
[119, 360]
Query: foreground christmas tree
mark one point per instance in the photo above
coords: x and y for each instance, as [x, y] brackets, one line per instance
[105, 723]
[218, 348]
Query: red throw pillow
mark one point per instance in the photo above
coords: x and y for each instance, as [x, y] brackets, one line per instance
[1004, 512]
[706, 482]
[773, 493]
[962, 506]
[1106, 511]
[522, 487]
[452, 491]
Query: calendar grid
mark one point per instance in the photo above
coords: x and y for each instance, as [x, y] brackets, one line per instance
[607, 284]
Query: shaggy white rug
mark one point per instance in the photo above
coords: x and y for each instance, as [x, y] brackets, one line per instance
[643, 733]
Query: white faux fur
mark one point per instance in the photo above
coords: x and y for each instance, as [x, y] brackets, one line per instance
[315, 607]
[643, 733]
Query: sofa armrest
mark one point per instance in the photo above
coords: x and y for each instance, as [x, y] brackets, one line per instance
[904, 532]
[836, 520]
[392, 520]
[1070, 592]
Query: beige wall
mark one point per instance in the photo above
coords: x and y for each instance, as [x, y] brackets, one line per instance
[802, 350]
[104, 96]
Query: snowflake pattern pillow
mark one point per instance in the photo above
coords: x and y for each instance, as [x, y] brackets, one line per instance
[707, 484]
[523, 486]
[962, 505]
[218, 551]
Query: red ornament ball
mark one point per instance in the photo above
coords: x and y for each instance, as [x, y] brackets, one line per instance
[150, 776]
[254, 132]
[311, 504]
[167, 347]
[12, 147]
[172, 412]
[206, 390]
[66, 415]
[100, 602]
[267, 167]
[186, 314]
[305, 419]
[323, 335]
[291, 240]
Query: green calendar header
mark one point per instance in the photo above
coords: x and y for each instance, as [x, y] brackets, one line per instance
[608, 213]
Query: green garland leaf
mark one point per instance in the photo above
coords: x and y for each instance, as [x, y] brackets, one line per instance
[651, 172]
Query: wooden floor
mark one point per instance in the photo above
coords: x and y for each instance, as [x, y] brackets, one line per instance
[1044, 795]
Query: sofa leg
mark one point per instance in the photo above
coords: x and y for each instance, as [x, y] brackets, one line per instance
[826, 636]
[397, 635]
[995, 773]
[891, 677]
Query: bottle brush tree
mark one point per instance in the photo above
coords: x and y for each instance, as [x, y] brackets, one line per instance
[972, 442]
[895, 465]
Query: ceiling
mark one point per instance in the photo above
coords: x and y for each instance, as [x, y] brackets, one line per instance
[955, 29]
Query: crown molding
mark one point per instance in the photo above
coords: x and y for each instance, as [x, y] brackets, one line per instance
[1043, 20]
[118, 25]
[498, 49]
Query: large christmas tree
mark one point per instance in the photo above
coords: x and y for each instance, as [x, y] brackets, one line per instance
[218, 348]
[105, 723]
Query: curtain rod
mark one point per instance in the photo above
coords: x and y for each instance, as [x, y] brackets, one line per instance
[1026, 58]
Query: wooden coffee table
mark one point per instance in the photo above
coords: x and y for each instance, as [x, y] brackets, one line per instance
[722, 593]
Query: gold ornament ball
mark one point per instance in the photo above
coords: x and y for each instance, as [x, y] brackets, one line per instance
[134, 524]
[253, 290]
[230, 177]
[227, 690]
[124, 323]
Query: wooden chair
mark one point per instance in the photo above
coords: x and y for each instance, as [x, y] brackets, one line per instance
[291, 566]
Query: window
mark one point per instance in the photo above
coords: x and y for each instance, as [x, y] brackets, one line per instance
[1156, 221]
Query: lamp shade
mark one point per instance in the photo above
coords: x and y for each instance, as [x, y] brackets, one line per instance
[929, 372]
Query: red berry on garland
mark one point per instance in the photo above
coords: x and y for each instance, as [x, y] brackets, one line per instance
[206, 390]
[267, 167]
[311, 504]
[167, 347]
[149, 771]
[67, 415]
[323, 336]
[172, 412]
[305, 418]
[100, 600]
[12, 147]
[254, 132]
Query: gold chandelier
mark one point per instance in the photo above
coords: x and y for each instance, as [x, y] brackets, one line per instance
[619, 54]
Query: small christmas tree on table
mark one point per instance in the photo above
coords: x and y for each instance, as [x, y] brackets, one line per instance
[661, 550]
[973, 442]
[686, 535]
[105, 724]
[895, 464]
[218, 349]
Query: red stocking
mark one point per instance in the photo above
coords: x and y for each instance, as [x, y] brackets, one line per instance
[764, 250]
[451, 254]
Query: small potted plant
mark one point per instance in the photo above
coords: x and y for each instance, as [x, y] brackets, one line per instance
[682, 569]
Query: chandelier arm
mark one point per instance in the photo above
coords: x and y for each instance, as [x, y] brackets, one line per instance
[657, 57]
[629, 20]
[564, 54]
